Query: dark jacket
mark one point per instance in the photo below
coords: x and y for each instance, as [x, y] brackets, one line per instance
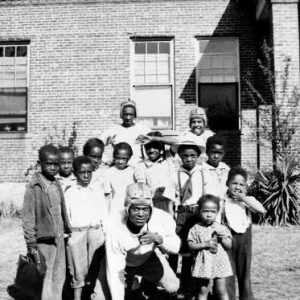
[38, 222]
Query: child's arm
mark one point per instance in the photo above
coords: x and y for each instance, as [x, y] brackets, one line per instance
[226, 242]
[201, 246]
[253, 204]
[223, 235]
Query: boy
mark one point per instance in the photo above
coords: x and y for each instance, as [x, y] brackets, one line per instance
[190, 184]
[87, 211]
[45, 222]
[214, 171]
[65, 172]
[237, 217]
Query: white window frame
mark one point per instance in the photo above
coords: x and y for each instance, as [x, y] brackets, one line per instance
[134, 40]
[16, 44]
[197, 58]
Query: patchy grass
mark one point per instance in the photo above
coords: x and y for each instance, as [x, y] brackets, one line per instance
[275, 267]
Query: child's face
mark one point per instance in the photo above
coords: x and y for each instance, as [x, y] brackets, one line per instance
[121, 159]
[197, 125]
[49, 165]
[84, 174]
[65, 164]
[215, 154]
[128, 116]
[208, 212]
[95, 155]
[189, 158]
[237, 184]
[153, 153]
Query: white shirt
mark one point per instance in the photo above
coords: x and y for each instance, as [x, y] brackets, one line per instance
[197, 183]
[86, 206]
[198, 139]
[161, 173]
[237, 214]
[123, 247]
[66, 182]
[116, 183]
[98, 176]
[119, 134]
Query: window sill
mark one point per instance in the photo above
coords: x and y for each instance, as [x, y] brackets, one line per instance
[14, 135]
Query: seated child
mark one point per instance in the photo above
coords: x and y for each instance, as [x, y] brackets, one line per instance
[158, 171]
[118, 177]
[237, 217]
[45, 222]
[94, 148]
[65, 172]
[87, 211]
[209, 240]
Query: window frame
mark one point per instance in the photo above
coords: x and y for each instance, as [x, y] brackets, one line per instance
[238, 82]
[15, 43]
[170, 84]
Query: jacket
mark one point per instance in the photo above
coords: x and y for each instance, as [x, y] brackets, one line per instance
[38, 222]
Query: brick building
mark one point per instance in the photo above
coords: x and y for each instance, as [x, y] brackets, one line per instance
[65, 61]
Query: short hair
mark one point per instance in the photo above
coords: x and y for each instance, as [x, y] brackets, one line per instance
[65, 149]
[155, 144]
[47, 149]
[238, 170]
[208, 198]
[181, 148]
[80, 160]
[122, 146]
[215, 140]
[128, 105]
[90, 144]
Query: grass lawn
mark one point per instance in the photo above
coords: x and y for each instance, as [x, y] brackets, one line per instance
[275, 268]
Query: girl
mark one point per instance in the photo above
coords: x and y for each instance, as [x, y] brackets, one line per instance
[237, 207]
[94, 148]
[210, 240]
[118, 177]
[158, 171]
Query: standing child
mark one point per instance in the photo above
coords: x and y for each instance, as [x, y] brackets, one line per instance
[190, 186]
[210, 240]
[45, 222]
[215, 171]
[87, 211]
[118, 177]
[94, 148]
[237, 217]
[159, 172]
[65, 172]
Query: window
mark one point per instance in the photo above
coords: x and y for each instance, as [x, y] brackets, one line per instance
[152, 80]
[13, 87]
[218, 81]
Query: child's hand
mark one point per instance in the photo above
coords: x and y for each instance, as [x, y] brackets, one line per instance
[143, 139]
[238, 196]
[211, 245]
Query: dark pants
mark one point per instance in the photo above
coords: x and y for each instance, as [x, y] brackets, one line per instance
[240, 257]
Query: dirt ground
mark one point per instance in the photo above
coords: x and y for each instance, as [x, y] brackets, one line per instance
[275, 268]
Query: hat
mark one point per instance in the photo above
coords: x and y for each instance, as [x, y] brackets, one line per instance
[125, 103]
[187, 143]
[199, 112]
[138, 194]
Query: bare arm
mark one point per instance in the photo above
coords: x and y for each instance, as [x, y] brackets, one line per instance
[144, 139]
[200, 246]
[253, 204]
[226, 242]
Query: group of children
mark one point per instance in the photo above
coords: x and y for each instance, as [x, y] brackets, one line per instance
[69, 204]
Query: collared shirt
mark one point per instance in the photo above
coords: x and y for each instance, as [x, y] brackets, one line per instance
[54, 197]
[161, 173]
[237, 214]
[86, 206]
[123, 247]
[66, 182]
[196, 184]
[119, 134]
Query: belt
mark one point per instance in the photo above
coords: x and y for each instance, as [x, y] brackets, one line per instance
[86, 227]
[186, 208]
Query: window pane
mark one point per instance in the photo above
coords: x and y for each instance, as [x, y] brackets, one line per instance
[140, 48]
[22, 51]
[163, 68]
[221, 101]
[9, 51]
[148, 100]
[164, 47]
[152, 48]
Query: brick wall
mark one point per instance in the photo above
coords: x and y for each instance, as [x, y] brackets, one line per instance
[80, 63]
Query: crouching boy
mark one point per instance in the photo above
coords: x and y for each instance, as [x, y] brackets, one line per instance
[45, 222]
[87, 212]
[134, 246]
